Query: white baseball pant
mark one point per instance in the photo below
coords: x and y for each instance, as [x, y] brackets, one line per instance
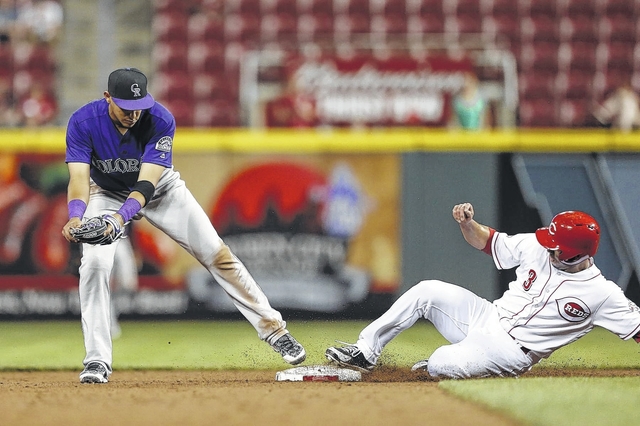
[479, 347]
[176, 212]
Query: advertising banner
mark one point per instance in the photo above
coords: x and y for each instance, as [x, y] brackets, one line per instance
[320, 233]
[365, 90]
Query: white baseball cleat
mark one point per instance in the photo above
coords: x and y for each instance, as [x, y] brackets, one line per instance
[94, 372]
[290, 349]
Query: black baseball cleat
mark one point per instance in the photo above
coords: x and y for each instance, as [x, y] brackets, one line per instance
[94, 372]
[290, 349]
[421, 366]
[349, 356]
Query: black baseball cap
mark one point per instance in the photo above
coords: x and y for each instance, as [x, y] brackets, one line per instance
[128, 89]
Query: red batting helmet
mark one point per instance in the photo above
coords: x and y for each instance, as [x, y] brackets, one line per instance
[573, 233]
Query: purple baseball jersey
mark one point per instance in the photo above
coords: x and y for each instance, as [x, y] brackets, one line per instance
[115, 159]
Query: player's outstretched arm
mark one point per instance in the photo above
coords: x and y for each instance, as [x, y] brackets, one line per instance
[474, 233]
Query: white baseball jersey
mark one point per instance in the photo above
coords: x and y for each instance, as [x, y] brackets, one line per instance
[545, 308]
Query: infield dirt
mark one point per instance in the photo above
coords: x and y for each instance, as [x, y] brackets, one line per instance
[384, 397]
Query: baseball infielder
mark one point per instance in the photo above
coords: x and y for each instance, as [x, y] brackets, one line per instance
[558, 296]
[119, 155]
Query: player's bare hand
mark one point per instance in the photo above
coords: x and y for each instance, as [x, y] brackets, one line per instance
[463, 213]
[74, 222]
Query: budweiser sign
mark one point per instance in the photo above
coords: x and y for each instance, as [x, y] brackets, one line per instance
[396, 91]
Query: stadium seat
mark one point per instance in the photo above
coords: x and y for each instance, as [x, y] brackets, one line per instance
[32, 57]
[539, 57]
[388, 24]
[538, 8]
[278, 27]
[391, 7]
[208, 86]
[242, 27]
[312, 27]
[182, 111]
[577, 56]
[580, 28]
[426, 24]
[463, 24]
[576, 8]
[574, 112]
[604, 83]
[352, 7]
[617, 8]
[346, 25]
[539, 28]
[173, 86]
[467, 7]
[501, 27]
[243, 7]
[6, 59]
[323, 7]
[206, 57]
[170, 27]
[617, 28]
[576, 84]
[24, 79]
[499, 8]
[425, 8]
[535, 86]
[203, 28]
[615, 57]
[287, 7]
[215, 113]
[169, 57]
[537, 113]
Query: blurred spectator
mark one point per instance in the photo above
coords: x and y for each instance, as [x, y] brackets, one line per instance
[8, 17]
[469, 107]
[39, 107]
[621, 109]
[9, 116]
[39, 20]
[292, 109]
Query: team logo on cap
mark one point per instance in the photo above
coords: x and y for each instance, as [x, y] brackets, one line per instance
[573, 309]
[136, 90]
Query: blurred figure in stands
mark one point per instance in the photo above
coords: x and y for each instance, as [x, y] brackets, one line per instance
[8, 16]
[39, 21]
[39, 108]
[292, 109]
[621, 110]
[469, 107]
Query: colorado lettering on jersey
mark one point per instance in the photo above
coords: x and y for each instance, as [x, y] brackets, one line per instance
[573, 309]
[117, 165]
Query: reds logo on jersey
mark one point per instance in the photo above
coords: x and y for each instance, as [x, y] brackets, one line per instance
[529, 281]
[573, 309]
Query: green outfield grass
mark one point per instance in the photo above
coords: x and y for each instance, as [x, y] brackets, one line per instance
[57, 345]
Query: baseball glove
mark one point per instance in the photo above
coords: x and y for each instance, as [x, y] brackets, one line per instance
[93, 230]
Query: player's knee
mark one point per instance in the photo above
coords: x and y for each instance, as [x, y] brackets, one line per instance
[443, 364]
[424, 291]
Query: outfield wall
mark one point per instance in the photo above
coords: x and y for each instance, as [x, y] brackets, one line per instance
[399, 228]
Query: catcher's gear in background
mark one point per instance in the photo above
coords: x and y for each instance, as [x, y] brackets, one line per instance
[93, 231]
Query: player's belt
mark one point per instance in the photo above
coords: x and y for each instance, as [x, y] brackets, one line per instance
[522, 348]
